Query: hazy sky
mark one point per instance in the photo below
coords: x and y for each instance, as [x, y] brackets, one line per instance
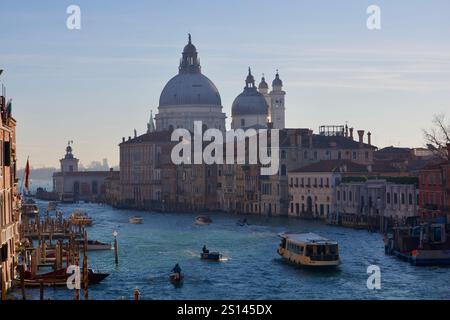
[97, 84]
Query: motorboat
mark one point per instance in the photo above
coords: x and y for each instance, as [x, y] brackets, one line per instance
[214, 256]
[309, 249]
[242, 222]
[136, 220]
[203, 220]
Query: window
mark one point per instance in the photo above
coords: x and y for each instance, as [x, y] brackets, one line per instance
[403, 198]
[388, 197]
[7, 153]
[354, 155]
[395, 198]
[350, 196]
[339, 195]
[367, 155]
[283, 170]
[410, 199]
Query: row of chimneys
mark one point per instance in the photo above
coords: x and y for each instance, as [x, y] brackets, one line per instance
[349, 134]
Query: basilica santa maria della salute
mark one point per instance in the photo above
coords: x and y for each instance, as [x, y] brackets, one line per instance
[150, 180]
[191, 96]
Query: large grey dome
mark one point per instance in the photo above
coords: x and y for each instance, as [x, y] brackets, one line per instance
[189, 88]
[250, 101]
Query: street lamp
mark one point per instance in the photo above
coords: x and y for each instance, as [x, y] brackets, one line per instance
[116, 253]
[1, 71]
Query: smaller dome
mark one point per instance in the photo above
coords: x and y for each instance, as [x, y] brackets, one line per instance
[263, 84]
[250, 101]
[277, 81]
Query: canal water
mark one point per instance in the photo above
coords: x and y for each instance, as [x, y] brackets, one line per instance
[251, 268]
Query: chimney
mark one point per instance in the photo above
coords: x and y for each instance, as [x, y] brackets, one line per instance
[351, 133]
[346, 131]
[310, 133]
[361, 136]
[369, 140]
[123, 139]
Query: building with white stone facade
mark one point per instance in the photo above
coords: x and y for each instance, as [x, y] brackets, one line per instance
[377, 198]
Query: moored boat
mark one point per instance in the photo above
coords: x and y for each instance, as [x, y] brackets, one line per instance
[421, 245]
[58, 278]
[80, 218]
[52, 205]
[203, 220]
[136, 220]
[29, 209]
[94, 245]
[309, 249]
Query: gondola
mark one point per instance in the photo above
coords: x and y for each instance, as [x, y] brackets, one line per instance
[58, 278]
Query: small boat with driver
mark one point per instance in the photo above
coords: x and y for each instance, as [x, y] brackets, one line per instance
[176, 278]
[135, 220]
[242, 222]
[214, 256]
[309, 249]
[203, 220]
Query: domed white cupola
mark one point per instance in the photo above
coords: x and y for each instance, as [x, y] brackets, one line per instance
[250, 108]
[189, 96]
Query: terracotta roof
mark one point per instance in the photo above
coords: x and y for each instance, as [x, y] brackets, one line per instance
[333, 166]
[321, 141]
[155, 136]
[83, 173]
[393, 149]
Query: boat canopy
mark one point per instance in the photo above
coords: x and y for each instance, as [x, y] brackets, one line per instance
[310, 238]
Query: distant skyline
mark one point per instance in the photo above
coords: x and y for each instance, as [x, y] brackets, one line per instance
[96, 85]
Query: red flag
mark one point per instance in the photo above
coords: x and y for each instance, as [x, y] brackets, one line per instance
[27, 174]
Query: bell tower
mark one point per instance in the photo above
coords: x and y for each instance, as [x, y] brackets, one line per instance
[276, 106]
[69, 163]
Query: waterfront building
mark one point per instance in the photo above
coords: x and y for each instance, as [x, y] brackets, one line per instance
[71, 184]
[9, 197]
[146, 181]
[375, 203]
[142, 161]
[112, 188]
[311, 187]
[434, 189]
